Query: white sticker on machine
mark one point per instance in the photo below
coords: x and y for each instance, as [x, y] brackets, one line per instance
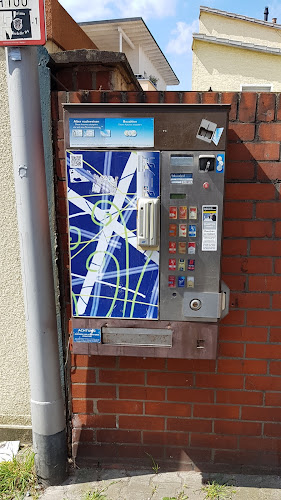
[209, 228]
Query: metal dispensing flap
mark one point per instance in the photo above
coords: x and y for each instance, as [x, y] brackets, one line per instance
[137, 336]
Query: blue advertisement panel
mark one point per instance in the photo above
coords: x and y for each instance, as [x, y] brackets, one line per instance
[110, 276]
[111, 132]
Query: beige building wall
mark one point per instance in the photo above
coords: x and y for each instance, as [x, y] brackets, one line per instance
[14, 378]
[227, 68]
[15, 419]
[236, 29]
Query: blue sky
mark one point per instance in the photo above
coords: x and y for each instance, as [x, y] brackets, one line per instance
[171, 22]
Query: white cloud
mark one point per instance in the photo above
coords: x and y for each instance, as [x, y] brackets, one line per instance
[180, 43]
[82, 11]
[110, 9]
[148, 8]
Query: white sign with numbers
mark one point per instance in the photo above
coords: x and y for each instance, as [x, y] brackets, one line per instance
[22, 22]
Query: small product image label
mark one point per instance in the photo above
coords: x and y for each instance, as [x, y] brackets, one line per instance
[183, 212]
[173, 213]
[181, 281]
[192, 213]
[191, 265]
[173, 230]
[182, 231]
[171, 281]
[172, 247]
[191, 247]
[182, 247]
[190, 281]
[172, 264]
[192, 231]
[181, 265]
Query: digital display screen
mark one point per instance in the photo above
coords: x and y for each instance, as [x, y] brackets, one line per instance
[181, 160]
[177, 196]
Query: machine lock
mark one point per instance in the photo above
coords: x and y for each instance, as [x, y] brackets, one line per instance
[195, 304]
[208, 306]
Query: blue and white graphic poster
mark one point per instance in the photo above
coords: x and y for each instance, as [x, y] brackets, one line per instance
[110, 276]
[111, 132]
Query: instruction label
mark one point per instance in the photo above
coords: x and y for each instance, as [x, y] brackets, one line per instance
[209, 228]
[181, 178]
[111, 132]
[87, 335]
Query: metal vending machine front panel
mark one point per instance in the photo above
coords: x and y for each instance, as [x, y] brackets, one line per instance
[114, 274]
[145, 196]
[192, 184]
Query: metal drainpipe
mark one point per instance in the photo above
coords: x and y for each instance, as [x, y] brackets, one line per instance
[47, 406]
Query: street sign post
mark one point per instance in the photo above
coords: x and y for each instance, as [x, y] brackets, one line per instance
[22, 22]
[22, 28]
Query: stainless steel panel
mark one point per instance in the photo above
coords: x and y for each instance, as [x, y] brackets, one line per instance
[191, 340]
[175, 125]
[137, 336]
[207, 263]
[209, 305]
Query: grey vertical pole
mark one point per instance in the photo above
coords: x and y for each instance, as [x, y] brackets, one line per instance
[47, 406]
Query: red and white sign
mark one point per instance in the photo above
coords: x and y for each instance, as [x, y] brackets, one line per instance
[22, 22]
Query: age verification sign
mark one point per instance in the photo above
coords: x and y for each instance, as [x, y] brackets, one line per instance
[22, 22]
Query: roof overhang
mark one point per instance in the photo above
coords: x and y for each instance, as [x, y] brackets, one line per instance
[105, 35]
[237, 44]
[223, 13]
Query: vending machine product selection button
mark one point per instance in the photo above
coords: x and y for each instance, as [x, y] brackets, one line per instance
[182, 212]
[173, 230]
[191, 265]
[182, 247]
[181, 265]
[191, 247]
[192, 231]
[182, 230]
[172, 264]
[192, 213]
[181, 281]
[190, 281]
[171, 281]
[172, 247]
[173, 213]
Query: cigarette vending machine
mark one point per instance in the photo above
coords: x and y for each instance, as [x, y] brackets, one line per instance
[145, 209]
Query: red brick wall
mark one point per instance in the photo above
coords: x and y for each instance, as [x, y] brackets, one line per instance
[199, 414]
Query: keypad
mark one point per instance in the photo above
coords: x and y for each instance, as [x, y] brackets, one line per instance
[182, 233]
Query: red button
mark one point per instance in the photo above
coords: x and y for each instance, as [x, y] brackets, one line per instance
[206, 185]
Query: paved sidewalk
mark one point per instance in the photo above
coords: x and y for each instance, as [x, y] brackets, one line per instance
[143, 485]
